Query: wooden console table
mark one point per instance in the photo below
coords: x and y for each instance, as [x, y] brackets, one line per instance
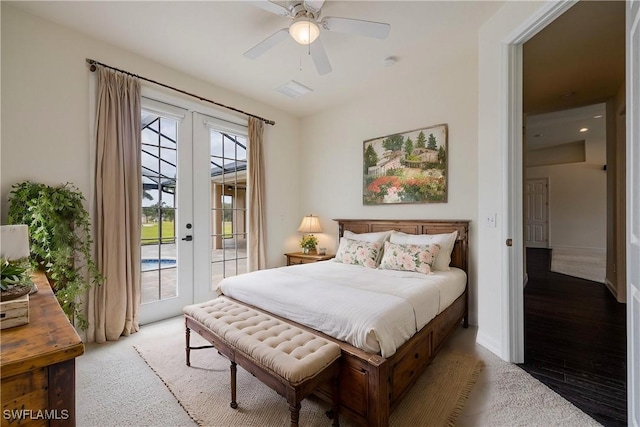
[38, 364]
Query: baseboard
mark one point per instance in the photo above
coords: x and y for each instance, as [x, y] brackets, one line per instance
[537, 246]
[611, 287]
[489, 343]
[584, 248]
[614, 291]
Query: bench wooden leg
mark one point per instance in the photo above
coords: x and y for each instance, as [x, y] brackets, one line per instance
[295, 413]
[234, 370]
[187, 347]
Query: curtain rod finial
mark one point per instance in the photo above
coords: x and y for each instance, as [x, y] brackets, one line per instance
[92, 64]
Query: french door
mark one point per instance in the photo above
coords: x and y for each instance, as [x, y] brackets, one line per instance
[194, 228]
[220, 192]
[167, 211]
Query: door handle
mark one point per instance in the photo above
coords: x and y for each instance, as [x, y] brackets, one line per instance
[509, 242]
[188, 238]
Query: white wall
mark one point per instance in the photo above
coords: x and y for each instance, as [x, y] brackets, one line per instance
[332, 149]
[45, 116]
[578, 198]
[492, 255]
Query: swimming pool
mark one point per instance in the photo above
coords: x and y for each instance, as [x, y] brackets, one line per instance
[149, 264]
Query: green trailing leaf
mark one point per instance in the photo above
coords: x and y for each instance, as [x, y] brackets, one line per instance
[59, 238]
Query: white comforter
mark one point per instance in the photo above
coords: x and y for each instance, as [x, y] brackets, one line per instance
[374, 310]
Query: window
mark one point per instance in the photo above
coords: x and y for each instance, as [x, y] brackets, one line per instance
[158, 231]
[228, 154]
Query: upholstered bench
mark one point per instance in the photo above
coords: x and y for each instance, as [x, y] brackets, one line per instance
[291, 361]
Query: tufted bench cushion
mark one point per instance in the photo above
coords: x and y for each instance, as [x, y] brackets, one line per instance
[288, 351]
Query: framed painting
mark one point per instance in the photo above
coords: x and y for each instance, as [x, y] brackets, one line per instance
[407, 167]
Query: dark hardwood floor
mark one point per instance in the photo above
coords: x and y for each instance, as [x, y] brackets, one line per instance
[575, 340]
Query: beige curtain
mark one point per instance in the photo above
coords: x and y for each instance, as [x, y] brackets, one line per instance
[113, 307]
[257, 225]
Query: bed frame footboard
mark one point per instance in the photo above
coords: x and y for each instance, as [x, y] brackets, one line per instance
[371, 386]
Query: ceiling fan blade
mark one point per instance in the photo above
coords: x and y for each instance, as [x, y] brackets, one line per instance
[378, 30]
[267, 43]
[270, 7]
[320, 58]
[313, 5]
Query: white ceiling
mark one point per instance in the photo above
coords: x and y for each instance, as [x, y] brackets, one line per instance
[206, 39]
[549, 129]
[570, 68]
[580, 53]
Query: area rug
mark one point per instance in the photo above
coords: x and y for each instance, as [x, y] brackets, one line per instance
[437, 398]
[588, 264]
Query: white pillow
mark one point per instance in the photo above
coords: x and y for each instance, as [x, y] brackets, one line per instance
[379, 237]
[445, 241]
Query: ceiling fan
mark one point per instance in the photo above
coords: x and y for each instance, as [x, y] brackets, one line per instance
[305, 29]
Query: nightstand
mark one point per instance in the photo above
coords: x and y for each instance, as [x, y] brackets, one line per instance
[301, 258]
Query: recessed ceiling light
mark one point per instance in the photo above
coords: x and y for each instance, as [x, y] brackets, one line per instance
[597, 116]
[293, 89]
[584, 130]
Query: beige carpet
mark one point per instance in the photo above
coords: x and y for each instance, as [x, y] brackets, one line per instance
[589, 264]
[203, 390]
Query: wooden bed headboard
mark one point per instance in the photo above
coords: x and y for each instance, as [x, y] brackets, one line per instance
[459, 256]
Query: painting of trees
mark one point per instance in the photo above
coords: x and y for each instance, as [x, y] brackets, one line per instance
[420, 142]
[370, 158]
[406, 167]
[408, 147]
[432, 144]
[393, 142]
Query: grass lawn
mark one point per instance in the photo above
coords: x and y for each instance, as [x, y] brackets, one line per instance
[150, 236]
[228, 229]
[150, 233]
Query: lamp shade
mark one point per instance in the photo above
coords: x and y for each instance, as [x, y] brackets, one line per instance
[304, 31]
[310, 224]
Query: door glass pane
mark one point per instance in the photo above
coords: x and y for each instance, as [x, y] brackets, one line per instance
[158, 244]
[228, 205]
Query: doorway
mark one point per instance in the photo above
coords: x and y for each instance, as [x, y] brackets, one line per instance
[569, 323]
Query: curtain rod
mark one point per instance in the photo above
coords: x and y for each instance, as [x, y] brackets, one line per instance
[93, 63]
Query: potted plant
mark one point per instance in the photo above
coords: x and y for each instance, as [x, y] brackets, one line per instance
[308, 243]
[15, 280]
[60, 240]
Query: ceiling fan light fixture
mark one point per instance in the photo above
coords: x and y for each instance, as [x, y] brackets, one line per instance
[304, 31]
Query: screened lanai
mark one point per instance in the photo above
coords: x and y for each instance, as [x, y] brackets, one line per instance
[162, 201]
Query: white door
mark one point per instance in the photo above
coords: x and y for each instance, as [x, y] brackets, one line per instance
[536, 205]
[633, 211]
[220, 206]
[167, 221]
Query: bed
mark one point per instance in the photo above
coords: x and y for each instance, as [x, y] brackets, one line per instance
[379, 368]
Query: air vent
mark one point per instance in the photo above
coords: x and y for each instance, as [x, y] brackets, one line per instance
[293, 89]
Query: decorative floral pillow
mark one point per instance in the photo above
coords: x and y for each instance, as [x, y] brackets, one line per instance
[358, 252]
[418, 258]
